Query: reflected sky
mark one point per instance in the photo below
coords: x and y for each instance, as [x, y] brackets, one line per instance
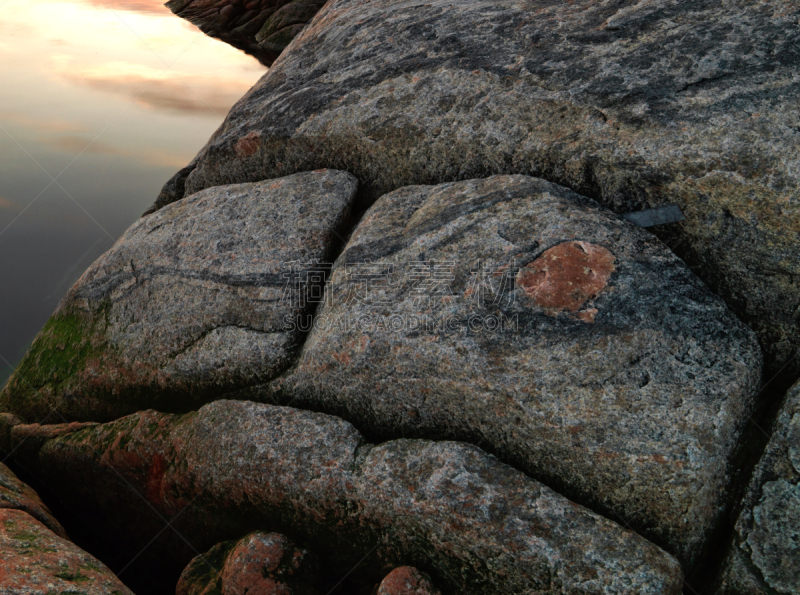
[101, 102]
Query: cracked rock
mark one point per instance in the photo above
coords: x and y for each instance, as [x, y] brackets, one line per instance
[189, 303]
[476, 525]
[514, 314]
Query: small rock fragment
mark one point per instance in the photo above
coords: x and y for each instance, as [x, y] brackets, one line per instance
[36, 561]
[765, 555]
[407, 580]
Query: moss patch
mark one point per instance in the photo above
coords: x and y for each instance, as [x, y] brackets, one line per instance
[60, 351]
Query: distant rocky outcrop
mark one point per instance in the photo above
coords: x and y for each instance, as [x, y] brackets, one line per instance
[635, 104]
[765, 556]
[477, 525]
[262, 28]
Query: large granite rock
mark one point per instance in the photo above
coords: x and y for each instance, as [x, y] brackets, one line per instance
[258, 564]
[189, 303]
[36, 561]
[765, 555]
[477, 525]
[406, 580]
[634, 103]
[262, 28]
[514, 314]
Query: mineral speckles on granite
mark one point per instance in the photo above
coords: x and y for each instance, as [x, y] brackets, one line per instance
[765, 556]
[188, 304]
[608, 370]
[639, 104]
[478, 526]
[262, 28]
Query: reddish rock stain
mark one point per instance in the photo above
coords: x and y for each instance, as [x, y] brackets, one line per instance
[157, 470]
[248, 144]
[566, 276]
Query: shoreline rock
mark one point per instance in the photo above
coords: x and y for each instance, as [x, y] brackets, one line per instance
[513, 314]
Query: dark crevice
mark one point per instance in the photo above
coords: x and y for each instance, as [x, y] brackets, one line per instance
[750, 449]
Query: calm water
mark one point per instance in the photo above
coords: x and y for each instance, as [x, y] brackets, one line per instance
[108, 98]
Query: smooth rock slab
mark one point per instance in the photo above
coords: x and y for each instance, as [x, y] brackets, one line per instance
[36, 561]
[189, 303]
[765, 556]
[514, 314]
[477, 525]
[636, 103]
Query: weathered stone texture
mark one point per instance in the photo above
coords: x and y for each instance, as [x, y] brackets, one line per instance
[636, 104]
[407, 580]
[36, 561]
[258, 564]
[477, 525]
[188, 303]
[512, 313]
[262, 28]
[17, 495]
[765, 556]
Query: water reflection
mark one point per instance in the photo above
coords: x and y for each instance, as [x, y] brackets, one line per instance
[101, 102]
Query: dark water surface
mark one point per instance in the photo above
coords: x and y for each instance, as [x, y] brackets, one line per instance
[109, 98]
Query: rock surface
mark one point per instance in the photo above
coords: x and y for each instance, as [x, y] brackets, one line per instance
[258, 564]
[188, 303]
[476, 524]
[36, 561]
[634, 103]
[19, 496]
[514, 314]
[407, 580]
[262, 28]
[765, 556]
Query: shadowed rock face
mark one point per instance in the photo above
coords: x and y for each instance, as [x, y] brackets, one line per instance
[188, 303]
[765, 556]
[262, 28]
[635, 104]
[477, 525]
[514, 314]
